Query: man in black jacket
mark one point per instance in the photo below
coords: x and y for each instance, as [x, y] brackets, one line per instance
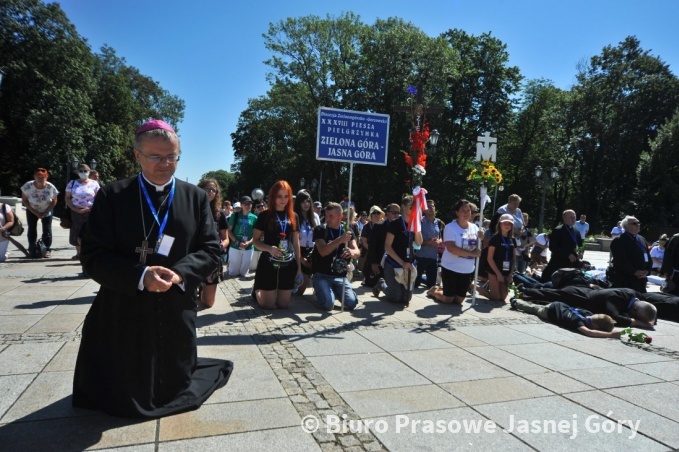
[670, 266]
[564, 242]
[631, 260]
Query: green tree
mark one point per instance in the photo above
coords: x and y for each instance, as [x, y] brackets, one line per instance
[538, 134]
[342, 63]
[45, 107]
[59, 101]
[123, 98]
[622, 98]
[479, 97]
[226, 181]
[659, 178]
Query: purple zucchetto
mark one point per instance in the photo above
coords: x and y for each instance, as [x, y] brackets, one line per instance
[153, 124]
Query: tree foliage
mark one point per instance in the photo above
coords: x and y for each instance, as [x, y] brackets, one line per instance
[60, 101]
[226, 181]
[343, 63]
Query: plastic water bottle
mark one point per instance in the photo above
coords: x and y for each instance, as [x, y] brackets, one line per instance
[298, 282]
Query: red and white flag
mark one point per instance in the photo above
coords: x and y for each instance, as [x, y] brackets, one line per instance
[419, 206]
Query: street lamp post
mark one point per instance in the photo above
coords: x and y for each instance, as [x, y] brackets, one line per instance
[313, 185]
[72, 163]
[546, 178]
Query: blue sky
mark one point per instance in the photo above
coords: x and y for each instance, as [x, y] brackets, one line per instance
[210, 52]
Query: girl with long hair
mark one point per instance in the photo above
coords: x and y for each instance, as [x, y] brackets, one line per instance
[308, 220]
[208, 289]
[277, 237]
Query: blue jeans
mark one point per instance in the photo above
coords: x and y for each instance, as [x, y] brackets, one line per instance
[530, 283]
[329, 287]
[32, 233]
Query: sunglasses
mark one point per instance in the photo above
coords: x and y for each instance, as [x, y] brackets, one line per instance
[210, 190]
[393, 212]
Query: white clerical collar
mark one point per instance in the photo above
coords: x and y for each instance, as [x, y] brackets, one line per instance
[158, 187]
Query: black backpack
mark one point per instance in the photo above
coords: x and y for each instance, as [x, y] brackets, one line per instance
[18, 227]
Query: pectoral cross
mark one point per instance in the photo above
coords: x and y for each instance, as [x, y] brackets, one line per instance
[143, 251]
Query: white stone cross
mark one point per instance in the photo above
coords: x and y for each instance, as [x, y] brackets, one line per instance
[486, 148]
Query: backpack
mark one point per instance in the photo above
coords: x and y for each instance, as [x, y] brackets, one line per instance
[40, 249]
[566, 277]
[18, 227]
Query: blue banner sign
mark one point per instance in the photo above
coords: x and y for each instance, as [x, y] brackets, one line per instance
[352, 136]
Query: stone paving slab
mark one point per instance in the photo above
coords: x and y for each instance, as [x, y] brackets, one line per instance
[545, 434]
[555, 357]
[88, 432]
[413, 435]
[493, 390]
[11, 387]
[291, 439]
[65, 358]
[48, 397]
[366, 371]
[18, 323]
[650, 424]
[250, 380]
[667, 370]
[660, 398]
[343, 343]
[27, 358]
[614, 351]
[58, 323]
[235, 417]
[547, 332]
[499, 335]
[457, 338]
[449, 365]
[409, 399]
[557, 382]
[506, 360]
[402, 340]
[610, 377]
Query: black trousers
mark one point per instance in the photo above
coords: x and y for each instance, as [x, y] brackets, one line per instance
[32, 233]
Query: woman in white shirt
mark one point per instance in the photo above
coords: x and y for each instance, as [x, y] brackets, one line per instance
[6, 224]
[39, 197]
[461, 238]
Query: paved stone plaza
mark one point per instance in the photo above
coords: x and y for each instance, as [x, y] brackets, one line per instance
[428, 377]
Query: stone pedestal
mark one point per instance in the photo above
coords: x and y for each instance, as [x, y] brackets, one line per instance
[605, 244]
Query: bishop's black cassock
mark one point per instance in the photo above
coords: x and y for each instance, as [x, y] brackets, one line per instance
[138, 355]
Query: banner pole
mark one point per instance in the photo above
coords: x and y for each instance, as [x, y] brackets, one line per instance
[478, 245]
[351, 177]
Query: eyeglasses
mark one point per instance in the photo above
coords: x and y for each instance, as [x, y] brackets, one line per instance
[210, 190]
[174, 158]
[40, 170]
[393, 212]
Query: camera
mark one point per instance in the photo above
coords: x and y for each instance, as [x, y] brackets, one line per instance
[339, 266]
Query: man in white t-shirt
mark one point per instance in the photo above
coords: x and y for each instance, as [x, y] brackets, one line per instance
[582, 226]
